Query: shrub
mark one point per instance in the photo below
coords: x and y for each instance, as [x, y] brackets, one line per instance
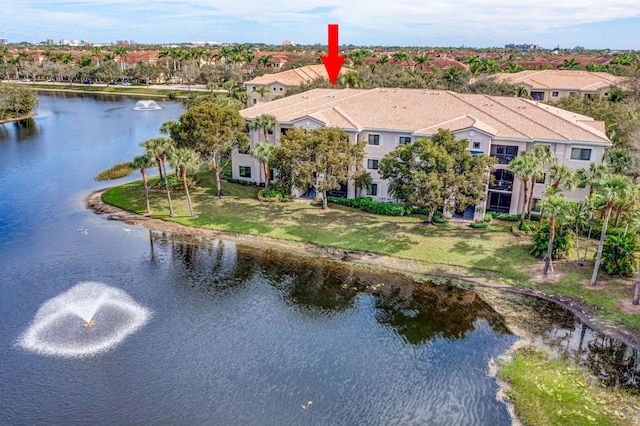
[507, 216]
[175, 184]
[274, 194]
[479, 225]
[369, 205]
[562, 243]
[488, 217]
[528, 227]
[618, 254]
[118, 171]
[438, 218]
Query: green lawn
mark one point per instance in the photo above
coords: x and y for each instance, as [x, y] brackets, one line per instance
[494, 249]
[548, 391]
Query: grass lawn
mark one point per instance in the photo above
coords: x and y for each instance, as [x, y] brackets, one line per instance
[494, 249]
[548, 391]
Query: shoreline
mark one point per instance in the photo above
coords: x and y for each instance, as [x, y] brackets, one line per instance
[21, 118]
[94, 202]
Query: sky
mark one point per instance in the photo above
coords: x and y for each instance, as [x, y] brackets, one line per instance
[593, 24]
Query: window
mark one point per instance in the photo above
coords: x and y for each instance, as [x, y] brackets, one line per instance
[475, 145]
[284, 130]
[555, 94]
[583, 154]
[372, 164]
[374, 139]
[504, 153]
[245, 172]
[499, 202]
[255, 101]
[404, 140]
[253, 88]
[373, 190]
[537, 96]
[503, 180]
[572, 93]
[281, 89]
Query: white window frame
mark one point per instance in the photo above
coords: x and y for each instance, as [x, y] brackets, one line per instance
[374, 135]
[246, 168]
[555, 94]
[370, 163]
[373, 191]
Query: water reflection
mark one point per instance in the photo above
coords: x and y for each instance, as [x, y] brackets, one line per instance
[548, 324]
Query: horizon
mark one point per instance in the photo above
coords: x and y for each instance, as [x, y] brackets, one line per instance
[469, 24]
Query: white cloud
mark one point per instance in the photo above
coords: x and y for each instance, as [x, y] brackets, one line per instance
[402, 19]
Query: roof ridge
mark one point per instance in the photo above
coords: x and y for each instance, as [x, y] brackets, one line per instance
[486, 113]
[574, 123]
[530, 120]
[347, 117]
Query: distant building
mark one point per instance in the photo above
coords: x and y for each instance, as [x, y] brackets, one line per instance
[267, 87]
[523, 47]
[551, 85]
[64, 42]
[4, 41]
[288, 43]
[50, 41]
[125, 42]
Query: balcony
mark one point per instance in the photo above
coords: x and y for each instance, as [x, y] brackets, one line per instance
[502, 185]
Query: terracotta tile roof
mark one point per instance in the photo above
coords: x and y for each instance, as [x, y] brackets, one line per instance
[423, 112]
[563, 79]
[294, 77]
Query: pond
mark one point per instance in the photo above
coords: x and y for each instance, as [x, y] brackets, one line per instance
[217, 332]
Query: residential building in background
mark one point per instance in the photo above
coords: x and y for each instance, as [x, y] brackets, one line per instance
[550, 85]
[268, 87]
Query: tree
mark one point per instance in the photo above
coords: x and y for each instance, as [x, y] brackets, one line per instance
[557, 208]
[108, 71]
[571, 64]
[212, 131]
[147, 72]
[324, 158]
[96, 52]
[436, 173]
[523, 167]
[266, 123]
[142, 163]
[262, 151]
[159, 148]
[609, 189]
[185, 160]
[543, 157]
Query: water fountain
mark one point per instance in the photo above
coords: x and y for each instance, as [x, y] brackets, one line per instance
[85, 320]
[147, 106]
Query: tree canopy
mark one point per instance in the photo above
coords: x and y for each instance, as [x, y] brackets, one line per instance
[436, 173]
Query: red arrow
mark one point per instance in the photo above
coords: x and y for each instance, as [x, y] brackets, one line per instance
[333, 62]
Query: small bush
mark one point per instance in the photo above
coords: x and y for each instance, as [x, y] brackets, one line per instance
[528, 227]
[175, 184]
[479, 225]
[274, 195]
[488, 217]
[118, 171]
[438, 218]
[562, 243]
[243, 182]
[618, 254]
[507, 216]
[370, 206]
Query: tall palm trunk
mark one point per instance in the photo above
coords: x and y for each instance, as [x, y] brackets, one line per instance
[526, 198]
[166, 185]
[548, 264]
[267, 176]
[186, 190]
[636, 290]
[596, 267]
[159, 167]
[530, 205]
[146, 189]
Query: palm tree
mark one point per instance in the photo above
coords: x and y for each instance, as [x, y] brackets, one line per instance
[523, 167]
[96, 53]
[262, 91]
[262, 152]
[556, 207]
[609, 189]
[142, 162]
[121, 51]
[399, 57]
[571, 64]
[159, 148]
[185, 160]
[266, 122]
[543, 157]
[264, 60]
[562, 175]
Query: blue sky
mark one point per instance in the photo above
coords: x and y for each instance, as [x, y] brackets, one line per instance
[473, 23]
